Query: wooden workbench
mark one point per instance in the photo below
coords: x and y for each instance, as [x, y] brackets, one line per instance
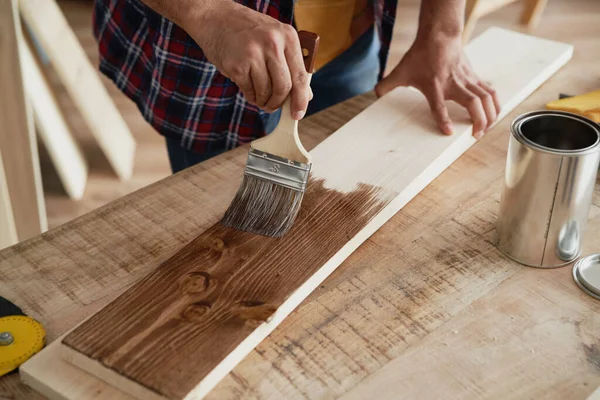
[426, 308]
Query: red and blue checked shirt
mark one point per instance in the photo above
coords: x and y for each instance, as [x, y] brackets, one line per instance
[178, 91]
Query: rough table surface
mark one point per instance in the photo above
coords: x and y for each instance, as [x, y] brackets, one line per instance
[426, 308]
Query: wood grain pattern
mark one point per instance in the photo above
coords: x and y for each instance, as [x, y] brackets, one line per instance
[154, 222]
[82, 81]
[17, 138]
[342, 207]
[158, 209]
[216, 292]
[517, 325]
[357, 320]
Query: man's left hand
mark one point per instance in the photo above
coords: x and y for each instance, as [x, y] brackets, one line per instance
[440, 70]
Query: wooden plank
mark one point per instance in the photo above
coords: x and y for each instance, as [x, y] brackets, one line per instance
[475, 9]
[40, 376]
[52, 127]
[352, 209]
[536, 354]
[471, 18]
[595, 395]
[409, 279]
[82, 81]
[485, 7]
[17, 138]
[154, 222]
[8, 231]
[532, 12]
[359, 319]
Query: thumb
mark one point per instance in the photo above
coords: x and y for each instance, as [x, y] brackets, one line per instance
[390, 82]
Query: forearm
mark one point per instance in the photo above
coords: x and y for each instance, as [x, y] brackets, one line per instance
[440, 19]
[184, 12]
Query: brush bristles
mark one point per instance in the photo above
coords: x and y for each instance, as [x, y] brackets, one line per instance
[263, 207]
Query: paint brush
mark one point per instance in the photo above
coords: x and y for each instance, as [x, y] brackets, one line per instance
[269, 198]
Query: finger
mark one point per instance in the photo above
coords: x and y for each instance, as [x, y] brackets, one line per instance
[311, 93]
[435, 98]
[247, 88]
[472, 103]
[281, 82]
[261, 83]
[300, 93]
[390, 82]
[486, 101]
[396, 78]
[488, 88]
[384, 86]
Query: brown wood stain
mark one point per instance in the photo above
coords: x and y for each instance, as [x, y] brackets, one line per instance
[172, 328]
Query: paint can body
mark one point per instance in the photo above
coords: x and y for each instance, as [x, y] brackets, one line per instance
[551, 169]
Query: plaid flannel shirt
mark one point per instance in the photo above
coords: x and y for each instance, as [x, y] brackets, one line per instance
[178, 91]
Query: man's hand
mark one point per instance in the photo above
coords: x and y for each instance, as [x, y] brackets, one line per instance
[436, 65]
[441, 72]
[260, 54]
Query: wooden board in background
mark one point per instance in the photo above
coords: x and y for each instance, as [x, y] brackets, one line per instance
[8, 231]
[404, 140]
[52, 127]
[82, 81]
[17, 138]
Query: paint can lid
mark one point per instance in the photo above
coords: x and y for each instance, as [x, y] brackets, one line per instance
[586, 273]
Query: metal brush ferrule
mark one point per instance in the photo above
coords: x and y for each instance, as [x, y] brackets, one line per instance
[284, 172]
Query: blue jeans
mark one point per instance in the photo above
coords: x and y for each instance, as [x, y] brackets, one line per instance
[353, 72]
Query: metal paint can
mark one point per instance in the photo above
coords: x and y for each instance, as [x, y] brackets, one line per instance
[551, 169]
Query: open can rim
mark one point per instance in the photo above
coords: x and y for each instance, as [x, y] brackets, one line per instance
[587, 287]
[515, 129]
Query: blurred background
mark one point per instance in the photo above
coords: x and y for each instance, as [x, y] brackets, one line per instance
[77, 155]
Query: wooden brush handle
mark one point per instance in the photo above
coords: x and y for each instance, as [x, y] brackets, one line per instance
[309, 42]
[284, 140]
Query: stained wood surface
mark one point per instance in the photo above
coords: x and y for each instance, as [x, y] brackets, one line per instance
[17, 138]
[347, 329]
[81, 79]
[226, 290]
[154, 222]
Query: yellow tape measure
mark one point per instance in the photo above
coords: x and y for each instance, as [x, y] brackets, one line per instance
[20, 338]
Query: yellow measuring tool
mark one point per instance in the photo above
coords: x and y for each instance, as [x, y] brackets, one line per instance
[20, 338]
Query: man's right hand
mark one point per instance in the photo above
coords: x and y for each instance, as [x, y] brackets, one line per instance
[257, 52]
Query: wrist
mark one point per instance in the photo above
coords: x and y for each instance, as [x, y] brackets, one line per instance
[439, 33]
[438, 37]
[200, 19]
[441, 20]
